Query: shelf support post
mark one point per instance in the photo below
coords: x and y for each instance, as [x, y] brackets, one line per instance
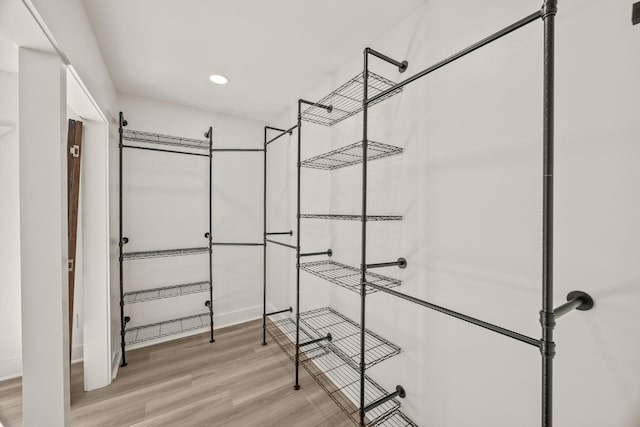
[298, 164]
[264, 240]
[209, 135]
[121, 124]
[547, 315]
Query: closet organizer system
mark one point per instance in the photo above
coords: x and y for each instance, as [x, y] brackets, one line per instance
[138, 140]
[337, 351]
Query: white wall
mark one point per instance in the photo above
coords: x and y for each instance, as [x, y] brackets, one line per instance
[166, 206]
[469, 186]
[10, 339]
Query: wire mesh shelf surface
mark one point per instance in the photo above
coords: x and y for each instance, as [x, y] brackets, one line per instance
[347, 100]
[164, 253]
[165, 292]
[158, 139]
[346, 337]
[350, 155]
[337, 377]
[346, 276]
[165, 328]
[353, 217]
[395, 419]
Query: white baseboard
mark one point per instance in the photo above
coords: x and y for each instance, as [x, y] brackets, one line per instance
[10, 368]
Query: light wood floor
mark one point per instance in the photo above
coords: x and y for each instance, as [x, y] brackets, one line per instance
[190, 382]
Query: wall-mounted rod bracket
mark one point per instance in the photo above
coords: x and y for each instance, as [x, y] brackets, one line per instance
[401, 263]
[329, 338]
[281, 244]
[290, 310]
[275, 233]
[124, 241]
[400, 392]
[329, 108]
[328, 252]
[576, 300]
[207, 303]
[402, 66]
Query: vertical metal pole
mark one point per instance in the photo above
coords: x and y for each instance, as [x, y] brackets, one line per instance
[211, 233]
[120, 243]
[547, 317]
[363, 249]
[299, 164]
[264, 241]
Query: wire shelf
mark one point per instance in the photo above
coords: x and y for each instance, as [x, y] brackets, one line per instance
[347, 100]
[158, 139]
[165, 328]
[353, 217]
[164, 253]
[346, 337]
[350, 155]
[165, 292]
[346, 276]
[337, 377]
[396, 419]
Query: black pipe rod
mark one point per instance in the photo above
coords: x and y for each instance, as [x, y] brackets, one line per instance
[296, 386]
[401, 262]
[264, 238]
[472, 320]
[328, 338]
[281, 244]
[284, 132]
[122, 123]
[165, 151]
[290, 310]
[495, 36]
[329, 108]
[275, 233]
[328, 252]
[402, 66]
[209, 235]
[547, 316]
[400, 392]
[237, 149]
[236, 244]
[272, 128]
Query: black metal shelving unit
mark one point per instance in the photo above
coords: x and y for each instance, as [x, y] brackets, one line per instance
[138, 140]
[325, 343]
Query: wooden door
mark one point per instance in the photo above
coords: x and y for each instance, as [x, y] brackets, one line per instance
[74, 149]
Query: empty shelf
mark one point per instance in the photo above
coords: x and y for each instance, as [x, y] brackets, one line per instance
[346, 337]
[350, 155]
[164, 253]
[158, 139]
[346, 276]
[353, 217]
[396, 419]
[165, 328]
[337, 377]
[347, 100]
[165, 292]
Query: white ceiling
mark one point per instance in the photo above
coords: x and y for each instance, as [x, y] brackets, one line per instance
[272, 51]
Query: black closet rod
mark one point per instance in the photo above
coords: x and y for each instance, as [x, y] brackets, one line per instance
[495, 36]
[165, 151]
[228, 150]
[281, 244]
[236, 244]
[284, 132]
[473, 320]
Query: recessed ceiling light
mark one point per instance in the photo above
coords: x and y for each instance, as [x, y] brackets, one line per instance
[218, 79]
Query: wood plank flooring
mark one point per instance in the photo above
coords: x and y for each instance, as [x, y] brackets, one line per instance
[235, 382]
